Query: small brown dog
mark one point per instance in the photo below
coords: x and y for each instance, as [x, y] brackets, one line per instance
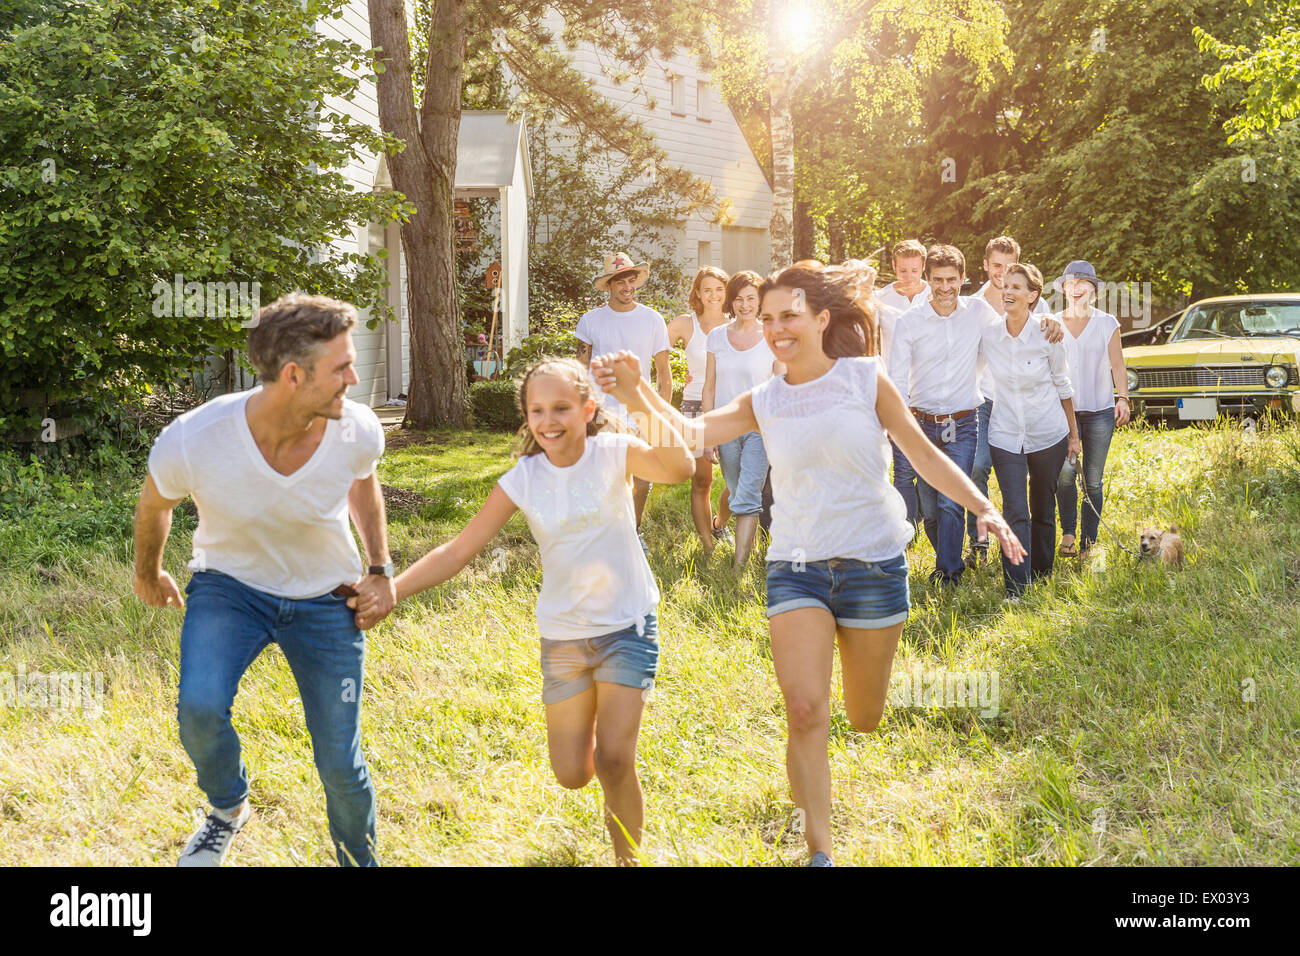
[1165, 545]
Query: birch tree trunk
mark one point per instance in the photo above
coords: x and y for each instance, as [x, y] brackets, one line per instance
[782, 127]
[426, 173]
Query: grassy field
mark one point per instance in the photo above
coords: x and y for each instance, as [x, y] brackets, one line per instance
[1144, 716]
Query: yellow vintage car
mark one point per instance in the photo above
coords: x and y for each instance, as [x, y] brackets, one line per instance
[1230, 355]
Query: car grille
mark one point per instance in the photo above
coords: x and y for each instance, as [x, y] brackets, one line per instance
[1203, 376]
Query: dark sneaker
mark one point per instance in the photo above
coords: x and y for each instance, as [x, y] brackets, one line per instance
[211, 841]
[820, 859]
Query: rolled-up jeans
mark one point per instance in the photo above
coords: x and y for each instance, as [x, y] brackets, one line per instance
[744, 468]
[945, 520]
[980, 471]
[1095, 432]
[227, 624]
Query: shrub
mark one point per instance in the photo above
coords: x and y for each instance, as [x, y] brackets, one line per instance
[493, 404]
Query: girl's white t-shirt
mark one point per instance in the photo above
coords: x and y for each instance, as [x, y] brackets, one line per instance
[595, 577]
[696, 362]
[287, 535]
[1089, 357]
[736, 371]
[831, 493]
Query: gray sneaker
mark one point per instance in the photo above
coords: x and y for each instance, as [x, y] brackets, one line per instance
[211, 841]
[821, 859]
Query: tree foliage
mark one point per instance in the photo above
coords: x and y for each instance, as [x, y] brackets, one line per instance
[147, 139]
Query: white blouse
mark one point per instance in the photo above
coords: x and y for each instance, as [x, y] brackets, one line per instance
[1033, 376]
[1089, 357]
[696, 361]
[736, 371]
[831, 493]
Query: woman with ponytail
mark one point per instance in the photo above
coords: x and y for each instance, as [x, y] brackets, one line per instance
[836, 572]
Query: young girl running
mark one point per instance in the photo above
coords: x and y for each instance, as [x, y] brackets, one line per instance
[596, 610]
[708, 297]
[836, 569]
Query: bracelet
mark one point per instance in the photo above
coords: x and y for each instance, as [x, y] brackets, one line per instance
[1123, 398]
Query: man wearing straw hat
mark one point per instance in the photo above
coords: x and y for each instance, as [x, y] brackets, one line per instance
[624, 323]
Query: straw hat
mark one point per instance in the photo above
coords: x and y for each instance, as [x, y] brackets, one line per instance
[617, 263]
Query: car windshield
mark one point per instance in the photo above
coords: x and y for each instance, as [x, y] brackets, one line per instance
[1240, 319]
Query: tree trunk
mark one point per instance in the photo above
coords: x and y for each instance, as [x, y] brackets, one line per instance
[782, 127]
[425, 172]
[835, 238]
[805, 240]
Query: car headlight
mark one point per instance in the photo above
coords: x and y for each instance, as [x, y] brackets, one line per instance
[1132, 380]
[1276, 376]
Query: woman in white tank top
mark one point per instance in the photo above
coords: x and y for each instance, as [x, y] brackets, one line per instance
[690, 329]
[836, 570]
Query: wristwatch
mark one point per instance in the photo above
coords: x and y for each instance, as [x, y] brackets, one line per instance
[385, 569]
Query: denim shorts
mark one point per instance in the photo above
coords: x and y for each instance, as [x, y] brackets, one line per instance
[623, 657]
[860, 594]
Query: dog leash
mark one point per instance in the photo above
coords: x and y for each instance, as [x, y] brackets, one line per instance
[1083, 493]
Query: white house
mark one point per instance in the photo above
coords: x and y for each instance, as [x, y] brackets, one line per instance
[675, 101]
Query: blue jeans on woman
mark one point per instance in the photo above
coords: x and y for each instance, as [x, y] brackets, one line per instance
[744, 468]
[1095, 432]
[945, 520]
[1031, 514]
[979, 472]
[227, 624]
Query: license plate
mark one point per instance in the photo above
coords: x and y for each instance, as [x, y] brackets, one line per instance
[1198, 409]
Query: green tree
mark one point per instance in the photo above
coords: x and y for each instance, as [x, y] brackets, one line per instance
[1269, 68]
[147, 139]
[421, 104]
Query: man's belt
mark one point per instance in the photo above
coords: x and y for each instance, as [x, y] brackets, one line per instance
[941, 419]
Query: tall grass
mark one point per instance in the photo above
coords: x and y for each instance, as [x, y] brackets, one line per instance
[1146, 715]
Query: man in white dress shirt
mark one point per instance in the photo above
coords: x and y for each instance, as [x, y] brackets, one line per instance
[999, 253]
[893, 300]
[934, 363]
[624, 323]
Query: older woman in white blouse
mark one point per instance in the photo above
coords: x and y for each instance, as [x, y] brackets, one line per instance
[1032, 429]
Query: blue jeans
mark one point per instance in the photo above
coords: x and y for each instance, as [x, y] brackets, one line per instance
[744, 468]
[1031, 513]
[227, 624]
[905, 482]
[1095, 431]
[859, 594]
[945, 520]
[979, 472]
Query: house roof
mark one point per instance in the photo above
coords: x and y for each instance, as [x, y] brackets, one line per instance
[489, 150]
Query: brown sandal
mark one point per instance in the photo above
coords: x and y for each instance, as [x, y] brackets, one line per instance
[1068, 550]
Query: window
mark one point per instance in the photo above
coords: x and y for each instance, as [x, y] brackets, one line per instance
[704, 256]
[703, 105]
[678, 84]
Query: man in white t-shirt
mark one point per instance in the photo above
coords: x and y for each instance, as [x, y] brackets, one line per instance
[999, 253]
[896, 298]
[624, 323]
[275, 472]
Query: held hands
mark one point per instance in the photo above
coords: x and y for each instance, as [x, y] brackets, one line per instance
[618, 373]
[160, 591]
[990, 521]
[1053, 328]
[376, 597]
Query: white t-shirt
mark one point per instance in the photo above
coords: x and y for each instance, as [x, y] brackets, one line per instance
[595, 578]
[988, 387]
[641, 331]
[287, 535]
[1089, 356]
[696, 362]
[831, 493]
[736, 371]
